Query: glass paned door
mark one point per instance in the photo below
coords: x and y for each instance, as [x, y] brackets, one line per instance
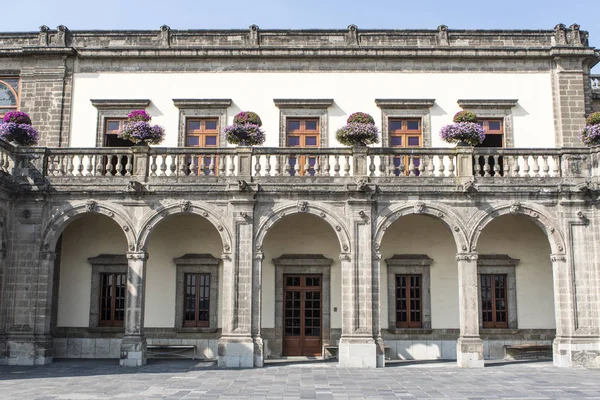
[302, 315]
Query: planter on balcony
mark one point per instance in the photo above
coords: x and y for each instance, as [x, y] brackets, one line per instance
[360, 130]
[464, 132]
[16, 129]
[139, 130]
[245, 130]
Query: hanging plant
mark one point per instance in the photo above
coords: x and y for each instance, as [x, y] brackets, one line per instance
[139, 130]
[469, 133]
[247, 117]
[16, 127]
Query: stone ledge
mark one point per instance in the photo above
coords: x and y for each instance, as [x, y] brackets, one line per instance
[202, 103]
[488, 103]
[120, 103]
[303, 103]
[404, 103]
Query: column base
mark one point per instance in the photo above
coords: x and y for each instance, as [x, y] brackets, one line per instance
[133, 351]
[577, 352]
[469, 352]
[236, 352]
[259, 352]
[357, 353]
[380, 352]
[25, 349]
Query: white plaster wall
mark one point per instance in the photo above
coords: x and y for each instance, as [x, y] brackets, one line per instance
[172, 238]
[522, 239]
[355, 91]
[86, 237]
[300, 234]
[419, 234]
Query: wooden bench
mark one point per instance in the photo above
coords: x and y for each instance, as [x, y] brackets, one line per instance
[176, 350]
[527, 351]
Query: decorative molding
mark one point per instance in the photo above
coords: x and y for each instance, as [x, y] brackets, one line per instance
[299, 260]
[404, 103]
[492, 260]
[120, 103]
[303, 103]
[488, 103]
[409, 260]
[108, 259]
[196, 259]
[202, 103]
[466, 256]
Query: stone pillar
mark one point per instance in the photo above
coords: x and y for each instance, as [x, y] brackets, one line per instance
[141, 154]
[569, 97]
[469, 347]
[357, 346]
[464, 164]
[380, 345]
[236, 346]
[257, 309]
[133, 345]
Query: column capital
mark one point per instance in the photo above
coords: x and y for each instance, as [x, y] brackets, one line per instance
[467, 256]
[558, 257]
[137, 255]
[345, 257]
[259, 255]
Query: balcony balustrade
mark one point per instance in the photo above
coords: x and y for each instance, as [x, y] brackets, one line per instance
[87, 166]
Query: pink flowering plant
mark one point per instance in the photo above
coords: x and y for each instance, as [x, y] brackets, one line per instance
[16, 127]
[138, 129]
[467, 132]
[245, 134]
[247, 117]
[359, 130]
[360, 117]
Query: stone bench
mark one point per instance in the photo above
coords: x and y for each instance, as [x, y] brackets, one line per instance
[176, 350]
[334, 350]
[527, 351]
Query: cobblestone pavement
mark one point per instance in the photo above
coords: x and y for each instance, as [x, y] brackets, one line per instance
[167, 379]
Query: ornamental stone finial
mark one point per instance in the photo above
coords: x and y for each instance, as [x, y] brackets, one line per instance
[253, 34]
[575, 35]
[165, 36]
[560, 34]
[441, 37]
[352, 35]
[61, 35]
[43, 35]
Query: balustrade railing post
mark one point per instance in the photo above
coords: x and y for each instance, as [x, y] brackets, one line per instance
[595, 161]
[141, 161]
[245, 167]
[359, 161]
[464, 164]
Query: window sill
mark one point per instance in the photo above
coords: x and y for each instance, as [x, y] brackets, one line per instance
[196, 330]
[410, 331]
[116, 329]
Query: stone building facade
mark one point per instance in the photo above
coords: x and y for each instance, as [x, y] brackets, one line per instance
[385, 252]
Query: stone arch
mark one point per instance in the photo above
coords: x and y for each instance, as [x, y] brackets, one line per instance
[154, 217]
[69, 213]
[535, 213]
[440, 212]
[323, 212]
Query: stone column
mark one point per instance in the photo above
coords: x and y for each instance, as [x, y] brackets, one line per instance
[380, 345]
[259, 256]
[469, 347]
[133, 345]
[357, 347]
[236, 346]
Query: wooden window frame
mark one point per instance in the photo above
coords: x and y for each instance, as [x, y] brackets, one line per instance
[406, 108]
[111, 109]
[104, 264]
[494, 109]
[409, 264]
[200, 109]
[409, 300]
[499, 264]
[17, 93]
[494, 323]
[197, 322]
[197, 264]
[303, 108]
[112, 322]
[302, 134]
[405, 134]
[485, 123]
[202, 133]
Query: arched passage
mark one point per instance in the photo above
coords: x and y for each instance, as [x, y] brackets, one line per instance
[516, 284]
[77, 287]
[419, 288]
[297, 249]
[184, 282]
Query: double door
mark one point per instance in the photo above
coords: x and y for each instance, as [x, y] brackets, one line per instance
[302, 313]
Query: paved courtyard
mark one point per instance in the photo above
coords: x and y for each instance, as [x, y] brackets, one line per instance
[167, 379]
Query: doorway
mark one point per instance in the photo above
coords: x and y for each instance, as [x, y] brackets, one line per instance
[302, 313]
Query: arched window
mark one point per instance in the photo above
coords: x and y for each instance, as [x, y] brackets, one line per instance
[9, 95]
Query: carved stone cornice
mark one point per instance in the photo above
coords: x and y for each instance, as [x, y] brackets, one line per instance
[303, 103]
[488, 103]
[404, 103]
[202, 103]
[120, 103]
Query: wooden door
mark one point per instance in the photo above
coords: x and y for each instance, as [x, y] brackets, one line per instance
[302, 314]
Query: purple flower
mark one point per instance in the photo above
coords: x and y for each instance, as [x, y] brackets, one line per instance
[469, 132]
[590, 135]
[142, 131]
[357, 133]
[24, 134]
[360, 117]
[247, 117]
[245, 134]
[18, 117]
[139, 115]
